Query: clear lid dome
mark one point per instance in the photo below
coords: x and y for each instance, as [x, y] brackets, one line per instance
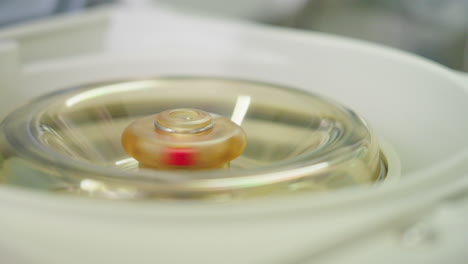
[71, 141]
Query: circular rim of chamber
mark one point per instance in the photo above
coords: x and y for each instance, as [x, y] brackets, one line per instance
[164, 180]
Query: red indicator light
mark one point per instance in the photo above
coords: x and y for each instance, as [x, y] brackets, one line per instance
[180, 156]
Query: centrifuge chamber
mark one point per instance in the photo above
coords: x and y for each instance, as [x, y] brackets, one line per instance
[253, 139]
[415, 107]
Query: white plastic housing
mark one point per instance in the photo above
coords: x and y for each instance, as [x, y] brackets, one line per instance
[418, 107]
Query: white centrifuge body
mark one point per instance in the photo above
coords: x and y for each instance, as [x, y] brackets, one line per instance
[417, 107]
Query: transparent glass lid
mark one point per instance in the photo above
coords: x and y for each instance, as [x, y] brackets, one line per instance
[71, 141]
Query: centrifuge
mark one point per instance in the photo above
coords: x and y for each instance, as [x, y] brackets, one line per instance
[141, 134]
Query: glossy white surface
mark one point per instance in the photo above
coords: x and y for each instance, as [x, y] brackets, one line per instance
[416, 106]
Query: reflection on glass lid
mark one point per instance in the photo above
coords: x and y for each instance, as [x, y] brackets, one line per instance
[71, 141]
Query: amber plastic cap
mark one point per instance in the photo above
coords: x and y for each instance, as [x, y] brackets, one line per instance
[184, 139]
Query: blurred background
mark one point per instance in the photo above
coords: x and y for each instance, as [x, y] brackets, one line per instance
[436, 29]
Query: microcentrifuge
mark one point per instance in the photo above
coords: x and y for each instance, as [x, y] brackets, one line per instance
[141, 134]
